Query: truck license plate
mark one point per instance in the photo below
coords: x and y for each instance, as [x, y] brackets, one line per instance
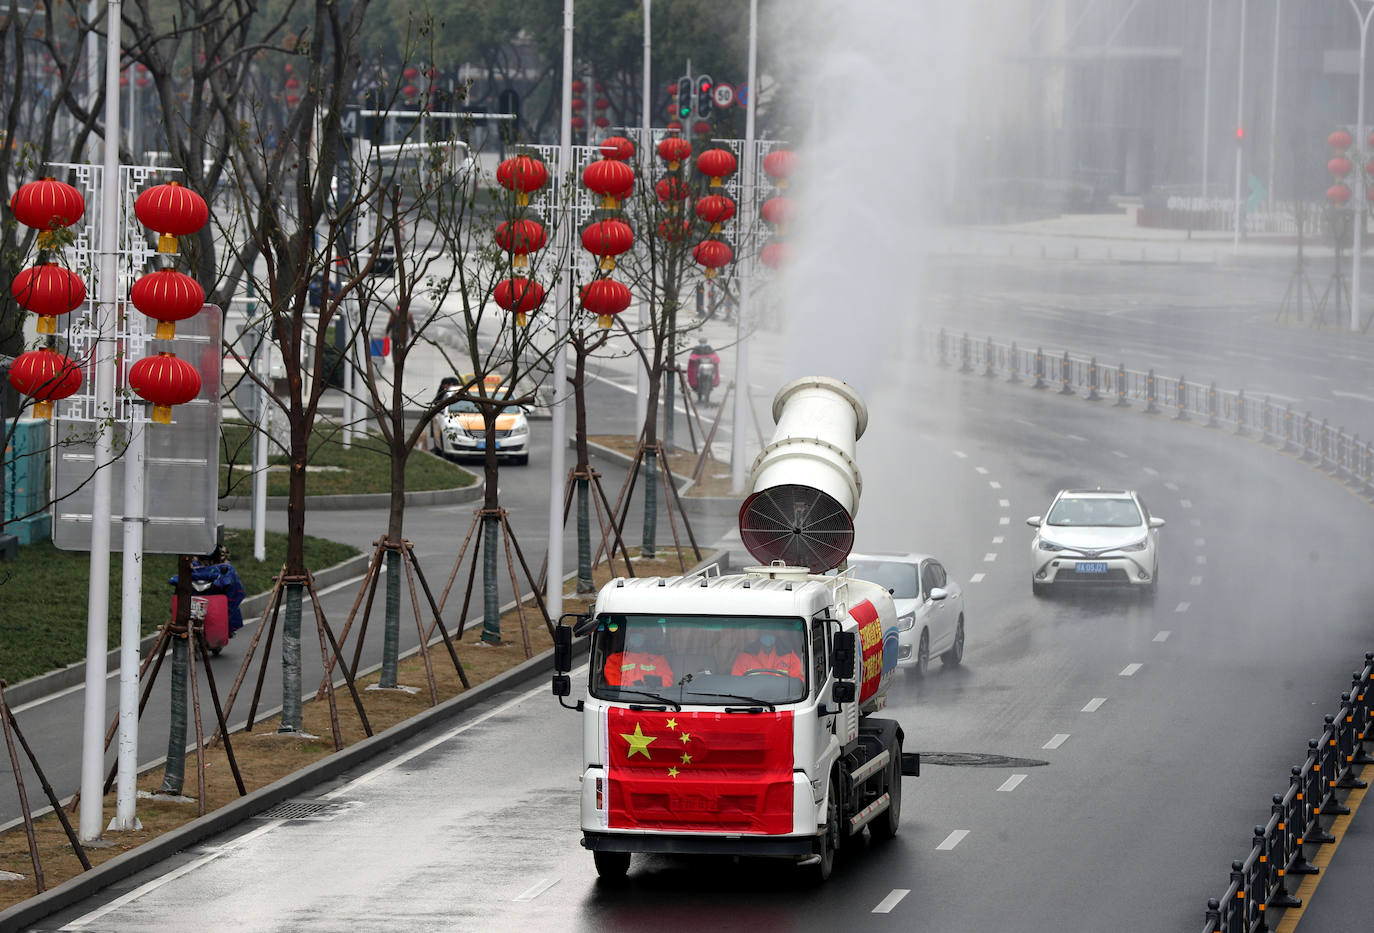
[1090, 566]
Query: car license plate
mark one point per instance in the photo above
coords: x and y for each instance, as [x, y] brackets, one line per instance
[481, 445]
[1090, 566]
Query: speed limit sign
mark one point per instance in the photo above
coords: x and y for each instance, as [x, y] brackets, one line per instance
[724, 95]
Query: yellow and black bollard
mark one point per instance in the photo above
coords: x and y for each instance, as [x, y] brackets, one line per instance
[1181, 398]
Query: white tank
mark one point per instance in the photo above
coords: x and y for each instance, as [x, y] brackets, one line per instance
[806, 483]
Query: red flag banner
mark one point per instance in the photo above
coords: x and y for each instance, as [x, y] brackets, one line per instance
[711, 771]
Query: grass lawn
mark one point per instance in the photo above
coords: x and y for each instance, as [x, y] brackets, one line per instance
[365, 467]
[43, 596]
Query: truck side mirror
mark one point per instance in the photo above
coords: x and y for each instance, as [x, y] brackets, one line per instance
[562, 654]
[842, 656]
[842, 691]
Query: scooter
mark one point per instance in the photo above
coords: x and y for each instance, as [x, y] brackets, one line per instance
[706, 378]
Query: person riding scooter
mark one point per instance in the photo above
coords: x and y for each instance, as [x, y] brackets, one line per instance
[703, 371]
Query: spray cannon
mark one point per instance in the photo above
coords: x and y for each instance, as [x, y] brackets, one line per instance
[805, 484]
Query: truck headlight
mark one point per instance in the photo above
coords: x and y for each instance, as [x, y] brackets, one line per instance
[906, 622]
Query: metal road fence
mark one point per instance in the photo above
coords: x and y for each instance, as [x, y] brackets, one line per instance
[1315, 441]
[1258, 882]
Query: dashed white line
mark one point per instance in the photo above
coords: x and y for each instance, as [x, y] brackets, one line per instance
[989, 558]
[1029, 424]
[1185, 503]
[1195, 522]
[1075, 437]
[1004, 520]
[1011, 783]
[1201, 558]
[952, 840]
[1119, 453]
[1199, 542]
[892, 900]
[536, 889]
[999, 540]
[1059, 739]
[976, 578]
[1094, 705]
[1182, 607]
[961, 455]
[1164, 635]
[981, 471]
[1171, 486]
[1130, 669]
[1004, 503]
[994, 484]
[1195, 581]
[1151, 471]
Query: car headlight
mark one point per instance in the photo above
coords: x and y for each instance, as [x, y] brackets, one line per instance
[906, 622]
[519, 430]
[1047, 545]
[1135, 545]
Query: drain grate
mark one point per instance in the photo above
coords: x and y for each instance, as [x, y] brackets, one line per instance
[978, 760]
[301, 810]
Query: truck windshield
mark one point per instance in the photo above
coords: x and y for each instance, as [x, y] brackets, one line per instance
[704, 660]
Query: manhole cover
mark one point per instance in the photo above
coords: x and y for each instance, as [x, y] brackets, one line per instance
[301, 810]
[978, 760]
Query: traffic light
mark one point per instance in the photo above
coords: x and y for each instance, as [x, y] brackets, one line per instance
[684, 96]
[705, 87]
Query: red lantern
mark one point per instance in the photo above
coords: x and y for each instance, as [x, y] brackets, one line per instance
[520, 295]
[716, 164]
[577, 123]
[605, 298]
[164, 380]
[46, 205]
[713, 254]
[578, 87]
[1369, 167]
[671, 188]
[1338, 194]
[602, 122]
[1339, 166]
[715, 209]
[602, 103]
[292, 84]
[675, 150]
[411, 73]
[48, 290]
[520, 238]
[675, 126]
[674, 229]
[776, 254]
[292, 100]
[607, 239]
[701, 128]
[779, 212]
[45, 376]
[167, 296]
[780, 164]
[522, 174]
[611, 179]
[578, 104]
[410, 91]
[172, 210]
[618, 148]
[1340, 140]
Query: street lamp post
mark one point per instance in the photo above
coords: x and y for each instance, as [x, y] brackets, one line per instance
[1206, 97]
[1361, 185]
[742, 315]
[646, 156]
[1240, 126]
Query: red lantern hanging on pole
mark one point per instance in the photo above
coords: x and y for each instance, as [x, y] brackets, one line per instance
[605, 298]
[47, 205]
[1340, 140]
[1338, 194]
[1339, 166]
[713, 254]
[520, 238]
[165, 380]
[520, 295]
[171, 210]
[167, 296]
[715, 209]
[617, 148]
[522, 174]
[48, 290]
[776, 254]
[674, 150]
[716, 164]
[780, 165]
[45, 376]
[779, 212]
[607, 239]
[611, 179]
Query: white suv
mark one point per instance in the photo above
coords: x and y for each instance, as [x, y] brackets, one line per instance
[1095, 537]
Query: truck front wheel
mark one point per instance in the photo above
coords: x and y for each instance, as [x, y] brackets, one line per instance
[820, 869]
[611, 865]
[885, 826]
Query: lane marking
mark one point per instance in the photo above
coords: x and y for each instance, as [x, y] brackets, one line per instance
[1182, 607]
[994, 484]
[1130, 669]
[1185, 503]
[1162, 636]
[961, 455]
[976, 578]
[989, 558]
[1004, 503]
[1201, 558]
[1195, 581]
[892, 900]
[999, 540]
[1075, 437]
[536, 889]
[1172, 487]
[1119, 453]
[952, 840]
[1058, 740]
[1011, 783]
[1004, 520]
[1199, 542]
[1029, 424]
[1094, 705]
[1151, 471]
[1195, 522]
[1293, 915]
[981, 471]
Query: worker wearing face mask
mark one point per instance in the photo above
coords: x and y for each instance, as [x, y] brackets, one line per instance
[766, 656]
[638, 663]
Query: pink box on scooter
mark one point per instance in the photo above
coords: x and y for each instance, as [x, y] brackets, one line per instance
[216, 618]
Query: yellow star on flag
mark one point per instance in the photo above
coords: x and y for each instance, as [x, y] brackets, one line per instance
[671, 724]
[639, 742]
[686, 759]
[686, 737]
[672, 772]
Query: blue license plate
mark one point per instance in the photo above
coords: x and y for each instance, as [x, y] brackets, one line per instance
[481, 445]
[1090, 566]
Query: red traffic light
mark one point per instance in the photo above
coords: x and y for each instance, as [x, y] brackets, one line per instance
[705, 86]
[1240, 132]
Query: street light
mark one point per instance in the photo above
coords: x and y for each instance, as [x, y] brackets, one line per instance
[1360, 182]
[1240, 125]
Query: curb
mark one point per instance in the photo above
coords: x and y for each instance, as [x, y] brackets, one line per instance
[367, 500]
[54, 681]
[706, 502]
